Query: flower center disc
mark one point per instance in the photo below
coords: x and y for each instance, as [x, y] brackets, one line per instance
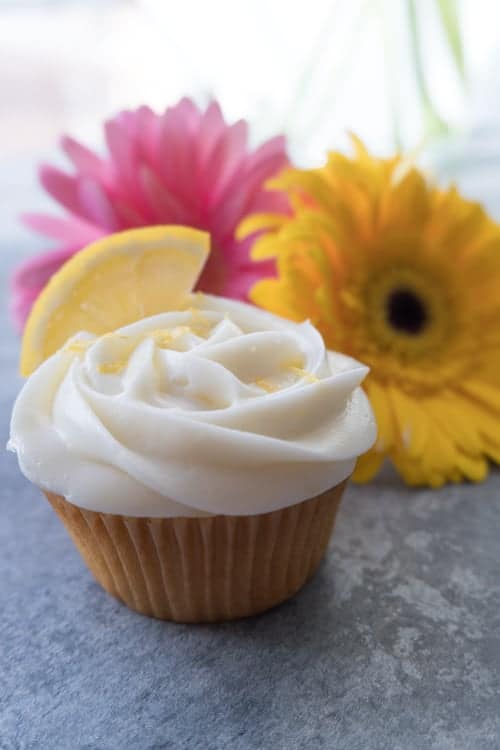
[406, 312]
[409, 311]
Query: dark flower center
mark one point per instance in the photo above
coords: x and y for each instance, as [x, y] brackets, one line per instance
[406, 312]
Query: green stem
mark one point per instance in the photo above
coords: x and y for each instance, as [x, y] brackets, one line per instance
[434, 124]
[390, 68]
[450, 21]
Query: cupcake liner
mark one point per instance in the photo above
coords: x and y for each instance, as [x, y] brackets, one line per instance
[203, 569]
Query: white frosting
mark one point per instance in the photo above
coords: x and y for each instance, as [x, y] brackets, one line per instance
[219, 408]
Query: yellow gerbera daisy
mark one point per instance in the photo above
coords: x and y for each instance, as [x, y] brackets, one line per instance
[405, 277]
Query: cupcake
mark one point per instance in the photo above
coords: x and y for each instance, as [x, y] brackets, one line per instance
[196, 456]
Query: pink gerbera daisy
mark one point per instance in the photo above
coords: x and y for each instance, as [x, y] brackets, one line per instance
[186, 166]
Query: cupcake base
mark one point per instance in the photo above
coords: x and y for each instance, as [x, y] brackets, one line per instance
[203, 569]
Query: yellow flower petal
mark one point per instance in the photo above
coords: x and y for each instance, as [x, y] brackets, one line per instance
[483, 421]
[453, 420]
[483, 392]
[491, 450]
[474, 468]
[367, 467]
[258, 223]
[412, 422]
[383, 414]
[264, 247]
[360, 149]
[312, 183]
[266, 293]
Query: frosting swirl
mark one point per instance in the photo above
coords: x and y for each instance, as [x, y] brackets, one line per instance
[217, 408]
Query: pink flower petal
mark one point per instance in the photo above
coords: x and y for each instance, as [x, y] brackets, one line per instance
[245, 189]
[225, 160]
[85, 161]
[128, 216]
[69, 229]
[269, 201]
[239, 284]
[123, 151]
[212, 125]
[35, 272]
[189, 113]
[122, 136]
[167, 207]
[30, 278]
[97, 205]
[20, 306]
[262, 170]
[127, 121]
[177, 165]
[243, 202]
[124, 154]
[175, 151]
[147, 134]
[273, 147]
[228, 214]
[62, 187]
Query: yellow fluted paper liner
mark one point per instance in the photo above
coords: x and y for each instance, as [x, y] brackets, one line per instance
[203, 569]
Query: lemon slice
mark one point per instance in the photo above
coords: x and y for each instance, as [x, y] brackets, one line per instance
[112, 282]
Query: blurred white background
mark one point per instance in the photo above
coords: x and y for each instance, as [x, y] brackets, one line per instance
[314, 70]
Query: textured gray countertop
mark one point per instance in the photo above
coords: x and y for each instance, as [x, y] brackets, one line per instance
[394, 645]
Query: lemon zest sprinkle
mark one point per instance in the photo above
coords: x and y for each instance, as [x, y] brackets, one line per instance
[307, 376]
[201, 324]
[164, 338]
[77, 347]
[205, 399]
[289, 364]
[111, 368]
[266, 385]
